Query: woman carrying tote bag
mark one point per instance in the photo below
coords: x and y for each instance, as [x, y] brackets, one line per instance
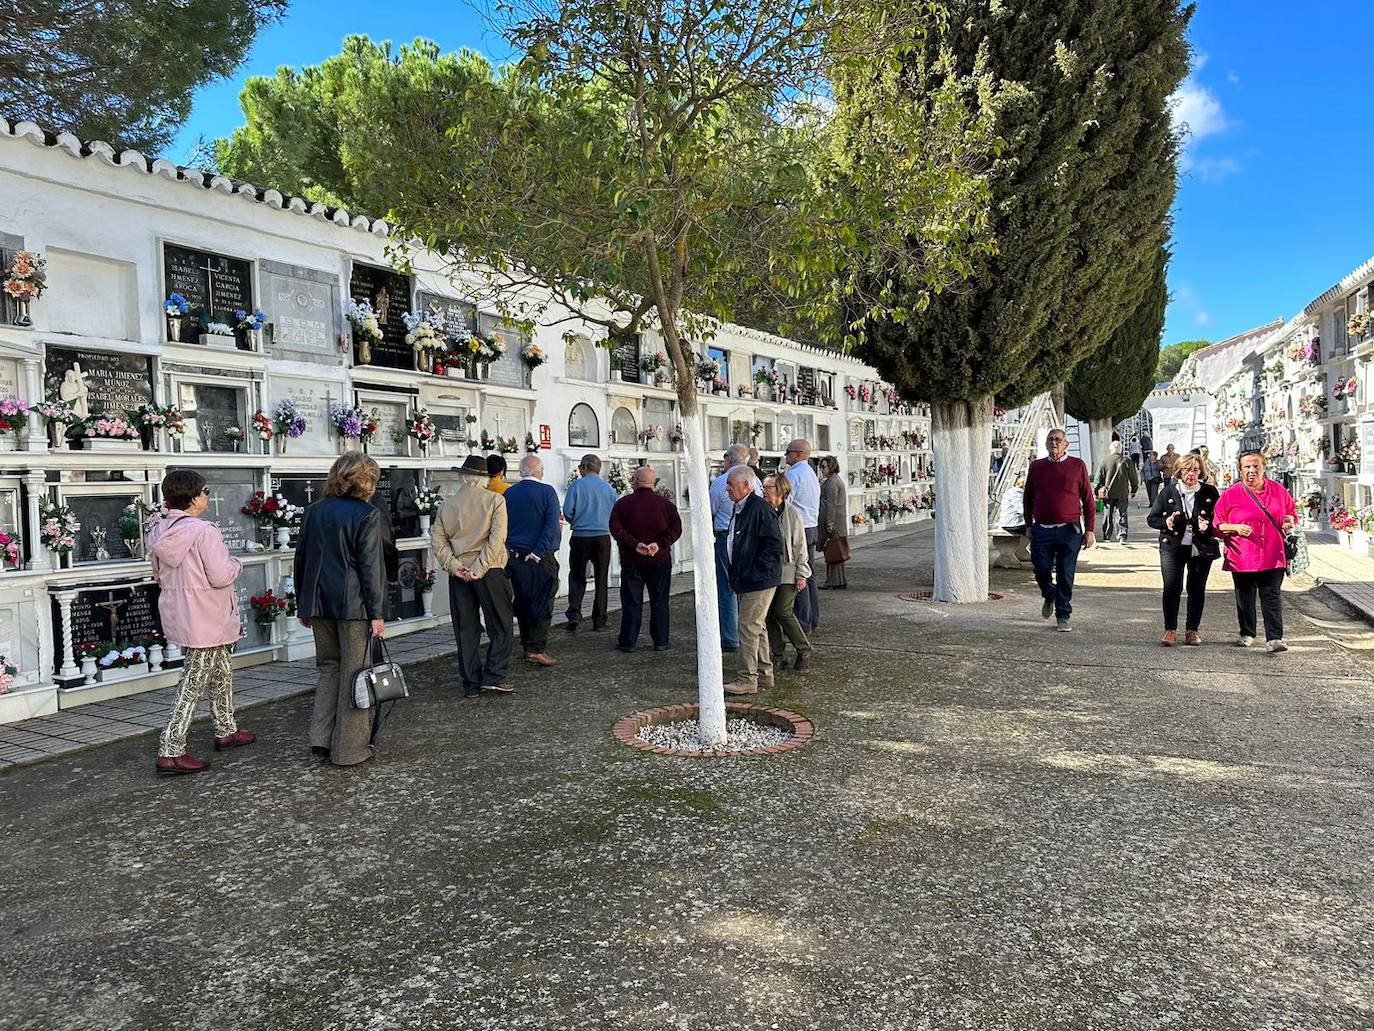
[834, 525]
[340, 595]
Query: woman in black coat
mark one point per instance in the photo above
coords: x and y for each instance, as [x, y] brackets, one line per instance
[340, 596]
[1182, 513]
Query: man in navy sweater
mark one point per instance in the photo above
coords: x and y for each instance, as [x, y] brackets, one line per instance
[1060, 510]
[532, 538]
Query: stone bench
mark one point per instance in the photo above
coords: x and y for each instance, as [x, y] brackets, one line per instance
[1013, 550]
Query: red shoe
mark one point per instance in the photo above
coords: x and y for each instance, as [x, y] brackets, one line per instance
[234, 740]
[175, 765]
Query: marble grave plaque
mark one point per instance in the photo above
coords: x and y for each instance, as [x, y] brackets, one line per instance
[303, 311]
[111, 615]
[403, 598]
[97, 513]
[396, 493]
[392, 418]
[214, 285]
[302, 489]
[210, 409]
[389, 294]
[313, 398]
[230, 490]
[253, 581]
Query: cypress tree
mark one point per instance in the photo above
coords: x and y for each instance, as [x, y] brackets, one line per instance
[1080, 197]
[1111, 383]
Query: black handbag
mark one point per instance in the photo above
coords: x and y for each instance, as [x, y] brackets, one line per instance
[383, 681]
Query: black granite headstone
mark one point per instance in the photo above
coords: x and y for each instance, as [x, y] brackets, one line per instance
[404, 599]
[628, 350]
[95, 513]
[209, 410]
[389, 294]
[396, 491]
[110, 615]
[302, 489]
[114, 382]
[214, 285]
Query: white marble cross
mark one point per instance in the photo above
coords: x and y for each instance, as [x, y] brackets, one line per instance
[215, 500]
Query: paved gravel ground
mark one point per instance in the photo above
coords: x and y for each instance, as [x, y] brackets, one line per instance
[996, 826]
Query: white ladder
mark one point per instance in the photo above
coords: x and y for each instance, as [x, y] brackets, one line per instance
[1039, 413]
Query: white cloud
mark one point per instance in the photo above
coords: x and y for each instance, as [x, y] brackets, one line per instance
[1215, 170]
[1197, 112]
[1233, 78]
[1202, 317]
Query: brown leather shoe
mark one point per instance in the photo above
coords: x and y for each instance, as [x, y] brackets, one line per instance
[540, 659]
[742, 687]
[1169, 639]
[237, 739]
[505, 687]
[176, 765]
[766, 683]
[1192, 637]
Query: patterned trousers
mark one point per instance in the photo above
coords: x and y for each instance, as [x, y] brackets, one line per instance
[203, 668]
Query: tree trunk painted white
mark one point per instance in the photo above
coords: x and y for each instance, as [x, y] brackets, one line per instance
[1099, 441]
[710, 669]
[961, 437]
[1057, 399]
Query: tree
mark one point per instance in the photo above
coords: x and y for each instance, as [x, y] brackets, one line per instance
[1111, 383]
[645, 168]
[1080, 194]
[1171, 358]
[122, 71]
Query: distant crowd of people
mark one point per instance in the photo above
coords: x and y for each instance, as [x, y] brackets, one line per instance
[1248, 526]
[497, 542]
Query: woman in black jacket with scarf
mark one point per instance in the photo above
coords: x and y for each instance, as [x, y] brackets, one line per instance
[1182, 513]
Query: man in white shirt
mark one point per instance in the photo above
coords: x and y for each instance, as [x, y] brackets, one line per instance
[806, 499]
[721, 509]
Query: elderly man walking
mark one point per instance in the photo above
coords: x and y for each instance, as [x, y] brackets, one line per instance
[469, 542]
[646, 526]
[1059, 509]
[587, 507]
[753, 548]
[532, 541]
[1117, 483]
[736, 456]
[806, 499]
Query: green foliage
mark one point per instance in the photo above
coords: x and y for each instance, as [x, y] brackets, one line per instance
[1113, 381]
[1081, 191]
[122, 71]
[1171, 358]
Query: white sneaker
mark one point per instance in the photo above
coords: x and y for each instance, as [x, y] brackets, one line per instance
[1244, 642]
[1278, 645]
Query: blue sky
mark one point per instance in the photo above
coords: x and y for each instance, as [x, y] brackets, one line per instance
[1275, 204]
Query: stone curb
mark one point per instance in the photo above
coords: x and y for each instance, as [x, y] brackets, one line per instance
[803, 730]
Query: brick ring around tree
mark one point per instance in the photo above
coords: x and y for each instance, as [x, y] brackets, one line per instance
[799, 727]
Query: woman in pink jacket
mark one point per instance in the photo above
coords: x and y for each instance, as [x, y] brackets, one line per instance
[200, 612]
[1252, 517]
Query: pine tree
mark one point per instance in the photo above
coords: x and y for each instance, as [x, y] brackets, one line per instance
[1112, 382]
[1080, 197]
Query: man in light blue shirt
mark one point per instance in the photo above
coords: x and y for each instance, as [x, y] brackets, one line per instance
[587, 508]
[721, 510]
[806, 499]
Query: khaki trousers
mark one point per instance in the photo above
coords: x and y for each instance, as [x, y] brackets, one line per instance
[755, 660]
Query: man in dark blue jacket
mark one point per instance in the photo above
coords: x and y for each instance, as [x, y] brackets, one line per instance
[753, 546]
[532, 538]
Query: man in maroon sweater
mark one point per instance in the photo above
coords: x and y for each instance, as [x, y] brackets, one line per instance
[1060, 511]
[645, 526]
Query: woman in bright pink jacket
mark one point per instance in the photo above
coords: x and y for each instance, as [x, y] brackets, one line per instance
[200, 612]
[1252, 518]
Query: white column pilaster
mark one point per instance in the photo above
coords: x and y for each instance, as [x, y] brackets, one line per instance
[33, 387]
[35, 487]
[64, 606]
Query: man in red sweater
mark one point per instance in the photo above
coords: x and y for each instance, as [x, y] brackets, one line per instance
[1060, 511]
[646, 526]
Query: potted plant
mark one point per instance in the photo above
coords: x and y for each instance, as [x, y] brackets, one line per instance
[25, 281]
[14, 416]
[250, 325]
[175, 308]
[367, 331]
[287, 424]
[130, 524]
[87, 652]
[221, 335]
[720, 388]
[429, 501]
[654, 365]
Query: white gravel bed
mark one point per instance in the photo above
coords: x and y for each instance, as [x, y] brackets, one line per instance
[740, 735]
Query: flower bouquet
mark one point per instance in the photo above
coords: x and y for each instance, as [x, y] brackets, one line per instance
[25, 281]
[367, 330]
[237, 435]
[175, 308]
[720, 387]
[14, 416]
[422, 430]
[429, 501]
[423, 334]
[9, 546]
[706, 369]
[1358, 325]
[490, 348]
[109, 433]
[221, 335]
[8, 671]
[57, 527]
[267, 607]
[287, 423]
[533, 356]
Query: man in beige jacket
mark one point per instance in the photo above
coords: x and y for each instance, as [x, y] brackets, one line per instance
[469, 541]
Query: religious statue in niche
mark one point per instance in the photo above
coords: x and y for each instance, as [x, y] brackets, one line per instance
[383, 306]
[74, 391]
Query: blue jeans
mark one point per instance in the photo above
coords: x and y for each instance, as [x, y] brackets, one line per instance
[726, 601]
[1054, 555]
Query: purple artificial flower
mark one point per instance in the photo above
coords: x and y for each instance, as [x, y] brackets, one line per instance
[297, 427]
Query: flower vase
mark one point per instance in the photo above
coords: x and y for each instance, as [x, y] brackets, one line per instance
[7, 443]
[255, 340]
[21, 313]
[484, 371]
[155, 657]
[147, 436]
[424, 360]
[617, 376]
[362, 346]
[88, 668]
[174, 329]
[438, 367]
[283, 538]
[424, 525]
[281, 439]
[427, 601]
[57, 434]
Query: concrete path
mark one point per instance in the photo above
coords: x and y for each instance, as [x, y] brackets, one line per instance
[997, 826]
